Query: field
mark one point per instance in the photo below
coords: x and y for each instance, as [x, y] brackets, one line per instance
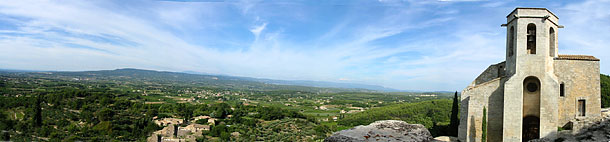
[121, 105]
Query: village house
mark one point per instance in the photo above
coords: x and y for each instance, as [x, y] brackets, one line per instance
[212, 121]
[168, 121]
[201, 117]
[174, 133]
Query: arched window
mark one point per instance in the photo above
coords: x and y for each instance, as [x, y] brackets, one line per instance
[531, 38]
[511, 38]
[552, 42]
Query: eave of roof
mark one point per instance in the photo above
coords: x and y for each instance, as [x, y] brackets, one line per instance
[576, 57]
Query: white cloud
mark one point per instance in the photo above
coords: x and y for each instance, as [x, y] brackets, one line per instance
[586, 31]
[256, 30]
[436, 59]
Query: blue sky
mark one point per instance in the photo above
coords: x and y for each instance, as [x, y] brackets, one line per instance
[411, 45]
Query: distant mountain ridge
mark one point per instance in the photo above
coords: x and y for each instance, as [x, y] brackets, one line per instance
[323, 84]
[192, 76]
[222, 81]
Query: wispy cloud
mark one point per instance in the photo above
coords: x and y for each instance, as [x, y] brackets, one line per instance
[587, 29]
[416, 45]
[258, 29]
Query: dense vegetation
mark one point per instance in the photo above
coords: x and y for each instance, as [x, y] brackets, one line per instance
[605, 90]
[85, 115]
[435, 115]
[121, 105]
[67, 114]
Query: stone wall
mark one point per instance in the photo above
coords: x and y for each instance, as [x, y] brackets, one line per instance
[488, 95]
[581, 81]
[492, 72]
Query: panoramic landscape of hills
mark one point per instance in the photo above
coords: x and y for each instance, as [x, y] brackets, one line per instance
[304, 70]
[123, 105]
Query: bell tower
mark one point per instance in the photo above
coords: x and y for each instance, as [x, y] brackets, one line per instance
[531, 85]
[531, 37]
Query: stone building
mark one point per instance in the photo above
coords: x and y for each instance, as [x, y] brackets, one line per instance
[535, 91]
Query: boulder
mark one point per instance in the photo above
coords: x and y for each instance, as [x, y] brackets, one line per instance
[385, 130]
[585, 130]
[446, 139]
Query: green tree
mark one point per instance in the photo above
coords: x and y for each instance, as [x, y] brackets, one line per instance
[321, 130]
[226, 136]
[202, 121]
[185, 111]
[455, 121]
[105, 114]
[151, 113]
[87, 113]
[38, 112]
[5, 136]
[221, 110]
[217, 130]
[104, 127]
[484, 126]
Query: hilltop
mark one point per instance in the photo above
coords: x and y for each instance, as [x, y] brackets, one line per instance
[221, 81]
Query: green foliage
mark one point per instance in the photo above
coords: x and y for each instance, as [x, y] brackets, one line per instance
[185, 111]
[221, 110]
[38, 112]
[152, 112]
[217, 130]
[287, 129]
[484, 126]
[105, 114]
[274, 113]
[322, 130]
[104, 127]
[226, 136]
[605, 90]
[5, 136]
[119, 106]
[5, 122]
[424, 113]
[455, 120]
[202, 121]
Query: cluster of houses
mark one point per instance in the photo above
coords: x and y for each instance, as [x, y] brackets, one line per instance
[173, 132]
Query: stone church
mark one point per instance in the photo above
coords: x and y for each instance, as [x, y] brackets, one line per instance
[535, 91]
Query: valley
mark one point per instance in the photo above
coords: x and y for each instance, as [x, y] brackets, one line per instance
[123, 105]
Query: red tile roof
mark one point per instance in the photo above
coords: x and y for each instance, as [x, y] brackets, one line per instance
[577, 57]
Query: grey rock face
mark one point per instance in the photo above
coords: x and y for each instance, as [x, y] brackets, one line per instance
[585, 130]
[385, 130]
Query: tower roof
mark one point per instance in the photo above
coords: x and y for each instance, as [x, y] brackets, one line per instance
[535, 8]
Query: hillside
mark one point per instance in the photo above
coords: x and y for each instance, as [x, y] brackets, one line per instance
[127, 104]
[434, 114]
[605, 90]
[215, 81]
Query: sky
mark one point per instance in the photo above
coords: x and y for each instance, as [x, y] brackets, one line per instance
[410, 45]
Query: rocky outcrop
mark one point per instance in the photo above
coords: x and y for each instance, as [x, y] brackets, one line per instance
[385, 130]
[585, 130]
